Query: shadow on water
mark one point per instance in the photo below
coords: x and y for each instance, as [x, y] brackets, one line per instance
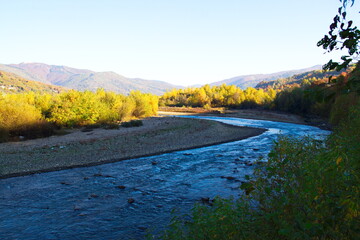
[124, 200]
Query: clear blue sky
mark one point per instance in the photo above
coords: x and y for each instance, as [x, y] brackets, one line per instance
[179, 41]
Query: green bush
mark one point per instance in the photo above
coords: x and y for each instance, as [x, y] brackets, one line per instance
[16, 115]
[341, 106]
[132, 123]
[76, 108]
[146, 105]
[36, 130]
[218, 96]
[22, 119]
[111, 126]
[4, 135]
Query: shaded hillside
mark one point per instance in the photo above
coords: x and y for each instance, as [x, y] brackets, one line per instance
[82, 79]
[299, 79]
[12, 83]
[246, 81]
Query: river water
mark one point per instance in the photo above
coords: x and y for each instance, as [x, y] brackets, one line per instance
[125, 200]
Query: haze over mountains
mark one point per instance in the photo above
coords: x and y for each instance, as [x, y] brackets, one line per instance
[246, 81]
[82, 79]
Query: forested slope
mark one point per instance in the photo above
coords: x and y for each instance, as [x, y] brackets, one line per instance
[12, 83]
[301, 79]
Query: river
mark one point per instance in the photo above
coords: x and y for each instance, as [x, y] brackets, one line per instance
[125, 200]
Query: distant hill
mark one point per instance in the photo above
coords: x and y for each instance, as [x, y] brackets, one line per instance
[246, 81]
[299, 79]
[82, 79]
[12, 83]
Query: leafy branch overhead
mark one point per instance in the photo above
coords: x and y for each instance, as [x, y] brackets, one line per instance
[342, 35]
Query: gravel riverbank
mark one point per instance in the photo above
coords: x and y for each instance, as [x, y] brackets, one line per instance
[157, 135]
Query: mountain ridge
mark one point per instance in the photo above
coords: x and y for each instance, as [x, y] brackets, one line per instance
[251, 80]
[83, 79]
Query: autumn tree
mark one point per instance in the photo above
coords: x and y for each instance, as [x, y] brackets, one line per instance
[218, 96]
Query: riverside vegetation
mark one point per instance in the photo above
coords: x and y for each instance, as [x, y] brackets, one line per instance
[34, 115]
[328, 97]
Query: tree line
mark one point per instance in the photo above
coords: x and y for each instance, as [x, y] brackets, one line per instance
[218, 96]
[328, 97]
[33, 114]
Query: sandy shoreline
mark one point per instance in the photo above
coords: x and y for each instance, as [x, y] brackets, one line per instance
[158, 135]
[248, 114]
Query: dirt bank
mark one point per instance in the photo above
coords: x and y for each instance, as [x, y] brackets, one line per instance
[243, 113]
[157, 135]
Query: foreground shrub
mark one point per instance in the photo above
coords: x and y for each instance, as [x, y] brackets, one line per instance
[15, 115]
[22, 119]
[36, 130]
[219, 96]
[4, 135]
[341, 106]
[146, 105]
[75, 108]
